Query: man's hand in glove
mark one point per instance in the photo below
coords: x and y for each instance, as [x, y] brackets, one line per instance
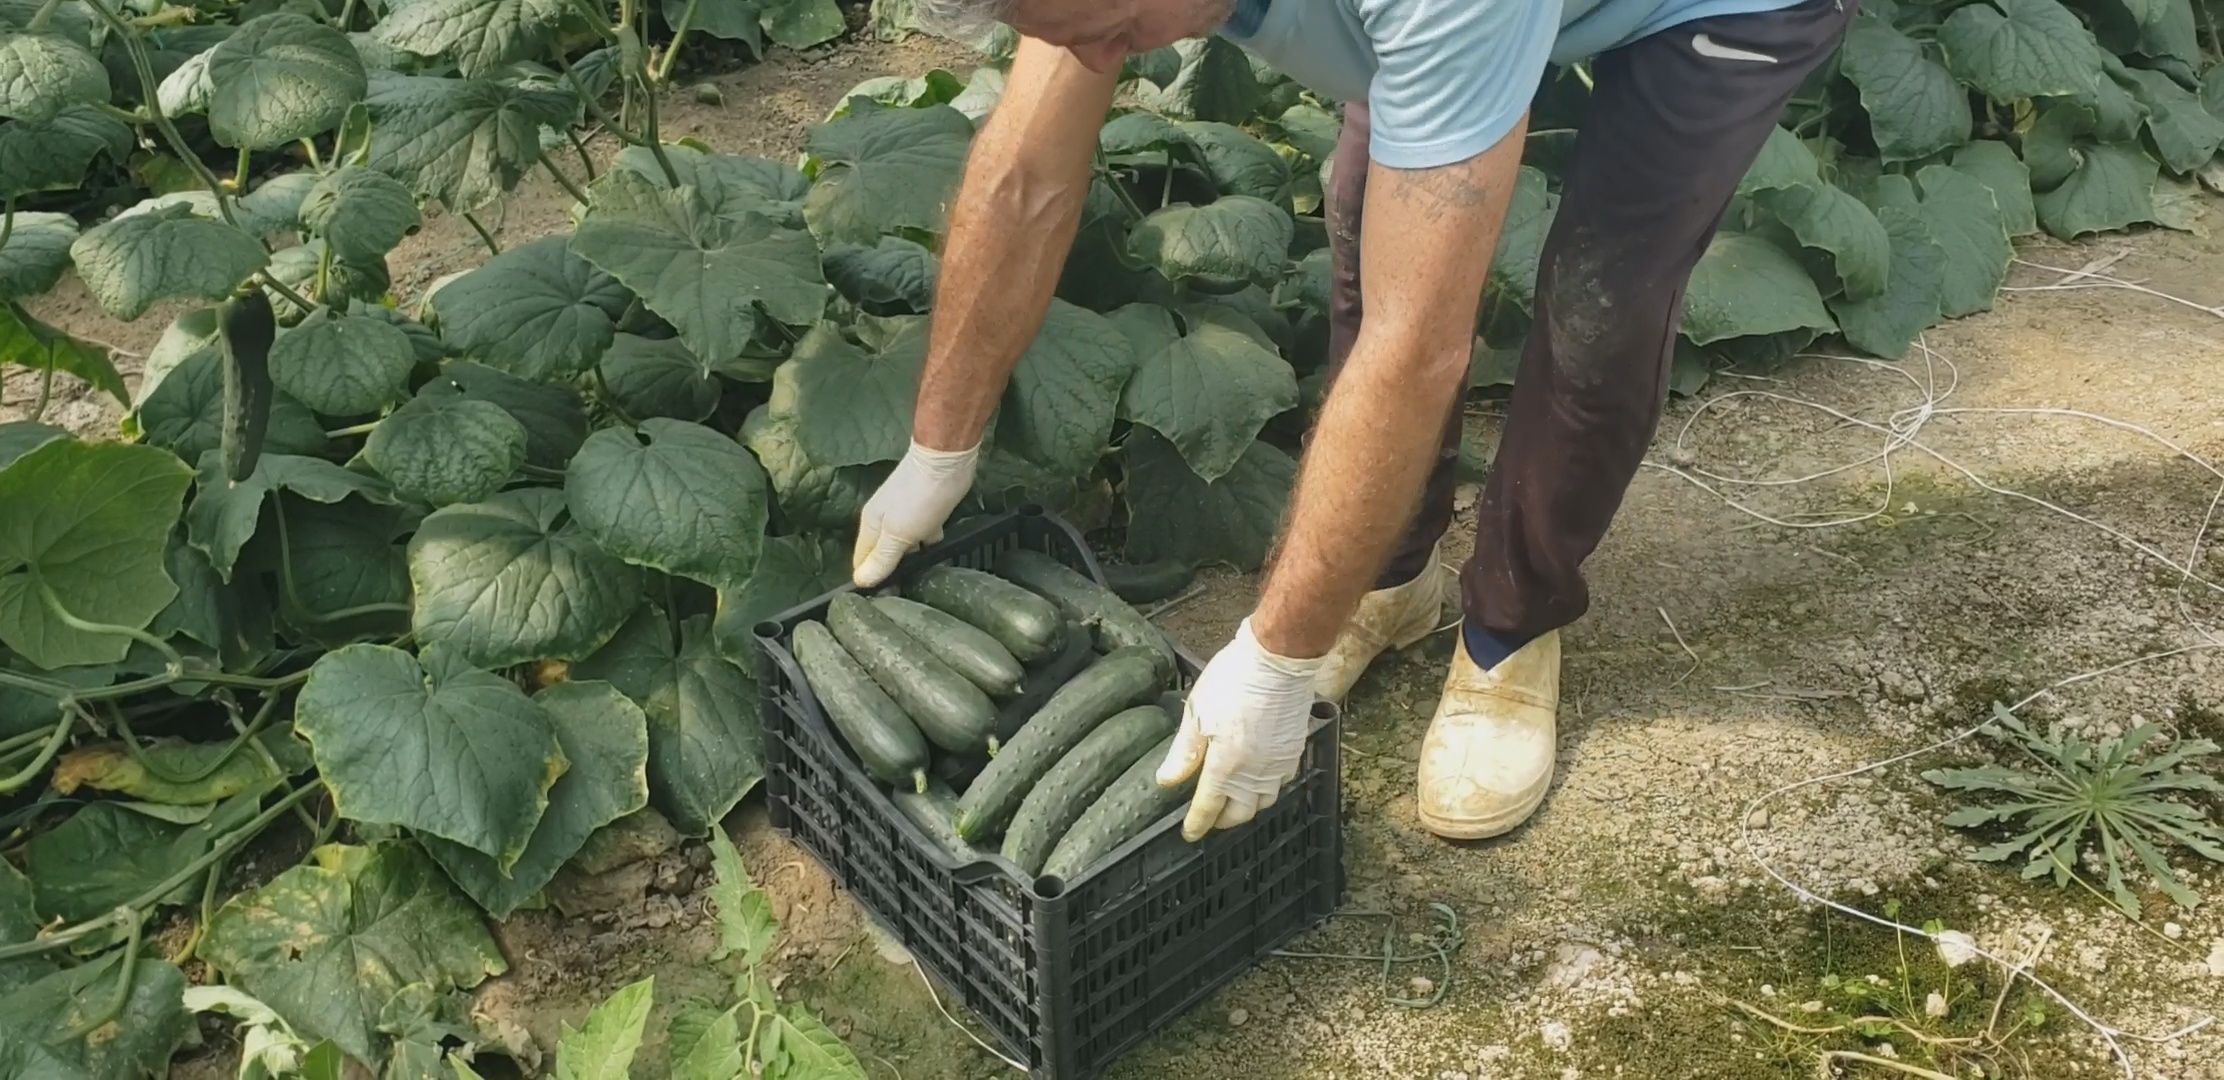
[908, 510]
[1245, 724]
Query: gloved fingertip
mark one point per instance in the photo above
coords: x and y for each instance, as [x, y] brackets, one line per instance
[1204, 810]
[1240, 808]
[1183, 757]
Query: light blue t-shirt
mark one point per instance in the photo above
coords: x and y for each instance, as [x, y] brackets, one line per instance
[1444, 80]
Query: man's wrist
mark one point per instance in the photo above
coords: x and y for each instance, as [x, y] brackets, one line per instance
[1261, 643]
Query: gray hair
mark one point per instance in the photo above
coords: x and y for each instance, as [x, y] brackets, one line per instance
[962, 20]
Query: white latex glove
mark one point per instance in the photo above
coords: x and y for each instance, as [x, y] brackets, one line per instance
[908, 510]
[1245, 723]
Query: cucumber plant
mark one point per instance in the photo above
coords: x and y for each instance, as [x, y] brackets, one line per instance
[451, 585]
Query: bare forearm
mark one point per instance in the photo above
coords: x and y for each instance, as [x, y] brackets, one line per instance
[1010, 229]
[1427, 240]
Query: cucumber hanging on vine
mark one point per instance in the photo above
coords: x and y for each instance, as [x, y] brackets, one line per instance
[246, 326]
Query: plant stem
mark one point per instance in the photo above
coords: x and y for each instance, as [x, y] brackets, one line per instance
[239, 174]
[679, 34]
[597, 20]
[1166, 189]
[9, 785]
[316, 161]
[347, 15]
[7, 222]
[125, 969]
[586, 160]
[486, 238]
[282, 289]
[46, 388]
[655, 140]
[263, 716]
[53, 604]
[150, 99]
[357, 429]
[209, 887]
[44, 15]
[324, 272]
[564, 182]
[594, 106]
[223, 847]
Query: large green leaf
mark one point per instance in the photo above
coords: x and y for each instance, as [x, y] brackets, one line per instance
[1209, 392]
[42, 74]
[443, 748]
[792, 570]
[54, 153]
[809, 1047]
[135, 1040]
[716, 1054]
[26, 341]
[35, 254]
[1234, 241]
[1238, 163]
[2112, 187]
[731, 185]
[883, 168]
[895, 276]
[1175, 514]
[19, 923]
[537, 310]
[812, 495]
[446, 450]
[20, 437]
[1214, 83]
[1825, 216]
[1965, 218]
[734, 20]
[1745, 286]
[102, 856]
[2020, 49]
[605, 737]
[674, 496]
[1145, 132]
[307, 266]
[280, 78]
[1995, 165]
[800, 24]
[706, 749]
[224, 513]
[1513, 268]
[659, 377]
[514, 579]
[223, 774]
[343, 365]
[327, 945]
[360, 212]
[706, 274]
[853, 404]
[1887, 324]
[462, 141]
[184, 412]
[1915, 107]
[86, 521]
[479, 35]
[1059, 406]
[131, 263]
[554, 417]
[343, 557]
[234, 618]
[2183, 130]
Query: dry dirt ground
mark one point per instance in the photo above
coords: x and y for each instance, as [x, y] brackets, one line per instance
[1633, 929]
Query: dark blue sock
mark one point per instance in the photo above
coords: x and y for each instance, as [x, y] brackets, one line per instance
[1489, 649]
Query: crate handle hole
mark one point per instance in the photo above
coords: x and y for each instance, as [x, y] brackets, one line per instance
[769, 630]
[1049, 887]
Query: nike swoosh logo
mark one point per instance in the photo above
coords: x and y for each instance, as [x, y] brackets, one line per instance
[1708, 47]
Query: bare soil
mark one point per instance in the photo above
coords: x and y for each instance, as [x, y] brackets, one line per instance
[1724, 657]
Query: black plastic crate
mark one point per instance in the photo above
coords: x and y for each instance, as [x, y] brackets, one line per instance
[1065, 976]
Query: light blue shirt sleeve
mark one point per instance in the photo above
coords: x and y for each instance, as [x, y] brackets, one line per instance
[1452, 77]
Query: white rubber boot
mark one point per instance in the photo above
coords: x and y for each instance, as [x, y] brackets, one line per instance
[1488, 757]
[1387, 619]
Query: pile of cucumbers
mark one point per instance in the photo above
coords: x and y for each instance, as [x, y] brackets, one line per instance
[1024, 705]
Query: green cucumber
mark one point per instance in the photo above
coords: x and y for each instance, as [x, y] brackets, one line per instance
[1076, 781]
[968, 649]
[951, 712]
[1115, 624]
[1141, 583]
[876, 728]
[932, 810]
[1124, 678]
[1130, 805]
[1023, 622]
[1043, 681]
[245, 328]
